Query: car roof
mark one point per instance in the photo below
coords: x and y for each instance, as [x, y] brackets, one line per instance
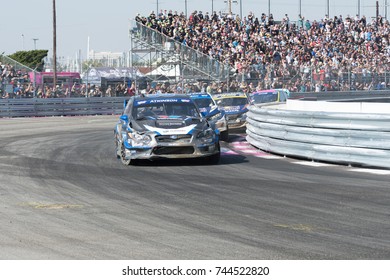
[230, 95]
[161, 96]
[199, 95]
[265, 91]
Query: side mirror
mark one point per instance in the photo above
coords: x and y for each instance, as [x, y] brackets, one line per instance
[124, 118]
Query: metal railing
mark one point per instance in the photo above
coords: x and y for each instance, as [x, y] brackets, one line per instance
[208, 66]
[40, 107]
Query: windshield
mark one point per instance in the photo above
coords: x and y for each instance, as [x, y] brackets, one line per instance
[234, 101]
[264, 97]
[203, 102]
[157, 110]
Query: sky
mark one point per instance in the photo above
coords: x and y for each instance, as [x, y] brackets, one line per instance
[28, 24]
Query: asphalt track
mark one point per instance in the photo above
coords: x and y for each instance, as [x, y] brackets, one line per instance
[64, 195]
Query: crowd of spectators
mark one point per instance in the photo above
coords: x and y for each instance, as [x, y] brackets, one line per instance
[351, 53]
[17, 81]
[333, 53]
[17, 84]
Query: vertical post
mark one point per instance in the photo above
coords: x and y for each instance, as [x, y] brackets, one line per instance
[54, 45]
[300, 8]
[241, 9]
[377, 11]
[34, 83]
[269, 7]
[358, 10]
[131, 56]
[185, 2]
[212, 7]
[327, 8]
[88, 48]
[35, 43]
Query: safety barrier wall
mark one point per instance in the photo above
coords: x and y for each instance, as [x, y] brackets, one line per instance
[346, 133]
[39, 107]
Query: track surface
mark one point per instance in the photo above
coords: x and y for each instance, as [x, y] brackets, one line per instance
[64, 195]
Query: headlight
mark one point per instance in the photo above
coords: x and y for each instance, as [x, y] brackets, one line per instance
[242, 117]
[216, 117]
[206, 136]
[136, 139]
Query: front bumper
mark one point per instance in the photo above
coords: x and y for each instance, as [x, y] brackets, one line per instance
[236, 122]
[172, 146]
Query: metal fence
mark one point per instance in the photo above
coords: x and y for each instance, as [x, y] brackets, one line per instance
[208, 66]
[296, 77]
[40, 107]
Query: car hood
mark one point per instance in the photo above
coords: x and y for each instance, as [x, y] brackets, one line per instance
[169, 124]
[230, 110]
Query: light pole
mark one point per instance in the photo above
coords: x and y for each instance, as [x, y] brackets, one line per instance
[35, 43]
[327, 8]
[358, 10]
[241, 9]
[54, 45]
[23, 41]
[269, 7]
[300, 8]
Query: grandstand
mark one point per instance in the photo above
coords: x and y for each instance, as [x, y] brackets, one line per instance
[331, 54]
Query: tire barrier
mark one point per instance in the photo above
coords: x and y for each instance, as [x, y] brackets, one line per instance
[339, 132]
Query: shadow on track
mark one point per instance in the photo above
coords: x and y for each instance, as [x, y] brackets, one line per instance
[225, 160]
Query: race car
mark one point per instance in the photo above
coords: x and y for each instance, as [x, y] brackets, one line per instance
[164, 126]
[214, 114]
[235, 105]
[268, 96]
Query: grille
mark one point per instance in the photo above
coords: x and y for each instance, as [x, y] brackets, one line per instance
[173, 150]
[173, 139]
[169, 123]
[232, 117]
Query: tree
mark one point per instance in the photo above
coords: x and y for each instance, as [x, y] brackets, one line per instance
[32, 59]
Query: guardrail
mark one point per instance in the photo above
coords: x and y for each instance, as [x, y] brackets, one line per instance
[336, 133]
[40, 107]
[339, 95]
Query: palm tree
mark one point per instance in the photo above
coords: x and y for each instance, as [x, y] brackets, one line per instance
[54, 45]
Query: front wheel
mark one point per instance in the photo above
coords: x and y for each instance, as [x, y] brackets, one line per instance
[117, 147]
[214, 159]
[123, 156]
[225, 135]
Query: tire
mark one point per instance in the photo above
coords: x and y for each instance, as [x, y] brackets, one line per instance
[225, 135]
[122, 156]
[214, 159]
[117, 147]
